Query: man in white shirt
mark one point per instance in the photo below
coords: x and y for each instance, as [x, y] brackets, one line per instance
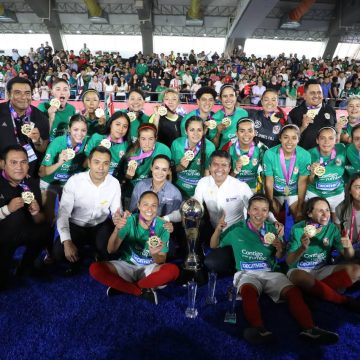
[88, 200]
[226, 196]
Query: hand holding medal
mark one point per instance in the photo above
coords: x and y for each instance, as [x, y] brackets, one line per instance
[132, 166]
[55, 103]
[70, 154]
[28, 197]
[106, 143]
[269, 238]
[310, 231]
[226, 121]
[99, 112]
[132, 116]
[27, 128]
[211, 124]
[162, 110]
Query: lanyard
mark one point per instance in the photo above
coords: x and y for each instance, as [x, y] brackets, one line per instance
[151, 226]
[143, 155]
[22, 184]
[69, 144]
[287, 174]
[332, 157]
[260, 232]
[118, 141]
[229, 115]
[238, 149]
[196, 149]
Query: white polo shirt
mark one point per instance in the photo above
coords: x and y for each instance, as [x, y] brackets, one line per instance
[232, 196]
[85, 204]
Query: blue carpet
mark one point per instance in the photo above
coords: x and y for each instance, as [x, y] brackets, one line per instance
[71, 318]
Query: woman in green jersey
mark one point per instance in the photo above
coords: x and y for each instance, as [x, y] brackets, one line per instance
[257, 250]
[63, 158]
[116, 138]
[352, 165]
[191, 156]
[353, 109]
[143, 242]
[309, 253]
[327, 169]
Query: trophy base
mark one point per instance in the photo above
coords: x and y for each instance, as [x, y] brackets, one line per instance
[191, 313]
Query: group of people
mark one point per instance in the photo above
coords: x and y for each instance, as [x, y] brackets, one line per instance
[113, 183]
[112, 75]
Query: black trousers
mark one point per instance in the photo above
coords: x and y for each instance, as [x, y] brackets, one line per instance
[95, 237]
[35, 237]
[221, 261]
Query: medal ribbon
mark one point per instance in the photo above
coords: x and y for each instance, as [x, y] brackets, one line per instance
[118, 141]
[260, 232]
[69, 144]
[22, 184]
[287, 174]
[143, 155]
[197, 113]
[332, 157]
[151, 226]
[196, 149]
[229, 115]
[250, 152]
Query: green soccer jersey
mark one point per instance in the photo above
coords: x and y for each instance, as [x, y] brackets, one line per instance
[210, 132]
[134, 125]
[352, 165]
[250, 252]
[143, 169]
[332, 182]
[272, 167]
[319, 251]
[135, 247]
[249, 172]
[187, 179]
[61, 122]
[117, 150]
[230, 131]
[68, 168]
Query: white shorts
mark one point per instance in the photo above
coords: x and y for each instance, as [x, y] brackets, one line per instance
[334, 201]
[291, 199]
[318, 274]
[269, 282]
[130, 272]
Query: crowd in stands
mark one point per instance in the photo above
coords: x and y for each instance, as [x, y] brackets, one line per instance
[110, 74]
[119, 178]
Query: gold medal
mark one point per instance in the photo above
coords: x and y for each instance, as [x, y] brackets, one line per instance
[26, 129]
[55, 103]
[162, 110]
[319, 170]
[274, 118]
[269, 238]
[343, 120]
[226, 121]
[286, 190]
[106, 143]
[312, 113]
[99, 112]
[133, 164]
[310, 230]
[70, 154]
[189, 155]
[212, 124]
[28, 197]
[244, 160]
[154, 241]
[132, 116]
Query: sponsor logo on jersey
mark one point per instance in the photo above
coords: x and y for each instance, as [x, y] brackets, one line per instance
[257, 124]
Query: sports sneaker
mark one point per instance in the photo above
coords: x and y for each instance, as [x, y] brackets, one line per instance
[258, 335]
[112, 292]
[320, 336]
[353, 305]
[150, 295]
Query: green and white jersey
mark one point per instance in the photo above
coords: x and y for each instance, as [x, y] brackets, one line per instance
[272, 167]
[319, 251]
[61, 122]
[352, 165]
[68, 168]
[332, 182]
[143, 170]
[135, 247]
[210, 133]
[249, 172]
[134, 125]
[187, 179]
[230, 131]
[251, 254]
[117, 150]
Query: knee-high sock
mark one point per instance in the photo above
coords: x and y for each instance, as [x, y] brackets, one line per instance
[298, 308]
[337, 280]
[100, 272]
[323, 291]
[251, 306]
[167, 273]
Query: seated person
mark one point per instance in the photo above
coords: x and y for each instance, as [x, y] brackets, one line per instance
[22, 222]
[88, 199]
[257, 249]
[143, 243]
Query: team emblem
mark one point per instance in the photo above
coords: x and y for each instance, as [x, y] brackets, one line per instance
[254, 162]
[257, 124]
[326, 242]
[338, 162]
[276, 129]
[296, 170]
[327, 116]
